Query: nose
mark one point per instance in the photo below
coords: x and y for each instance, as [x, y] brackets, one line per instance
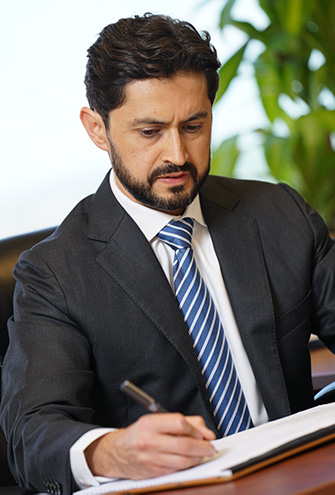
[174, 150]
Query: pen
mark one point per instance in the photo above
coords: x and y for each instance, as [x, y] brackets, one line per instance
[141, 397]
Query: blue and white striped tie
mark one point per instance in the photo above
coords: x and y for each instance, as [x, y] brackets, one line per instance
[226, 396]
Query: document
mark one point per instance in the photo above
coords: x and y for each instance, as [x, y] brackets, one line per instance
[240, 454]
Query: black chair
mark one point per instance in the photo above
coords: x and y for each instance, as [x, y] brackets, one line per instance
[10, 250]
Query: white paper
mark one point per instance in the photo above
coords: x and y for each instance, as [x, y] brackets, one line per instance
[235, 449]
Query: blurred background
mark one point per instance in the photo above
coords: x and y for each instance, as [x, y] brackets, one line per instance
[274, 118]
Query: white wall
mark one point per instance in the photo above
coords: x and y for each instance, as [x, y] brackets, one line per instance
[47, 162]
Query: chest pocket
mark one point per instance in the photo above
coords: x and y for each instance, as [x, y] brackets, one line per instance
[297, 320]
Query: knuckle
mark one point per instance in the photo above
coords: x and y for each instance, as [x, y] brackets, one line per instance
[143, 421]
[142, 438]
[180, 421]
[142, 443]
[199, 420]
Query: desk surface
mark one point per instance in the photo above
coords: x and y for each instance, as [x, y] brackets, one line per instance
[310, 473]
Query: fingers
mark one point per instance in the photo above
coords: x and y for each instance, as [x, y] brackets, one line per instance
[178, 424]
[199, 424]
[156, 444]
[173, 434]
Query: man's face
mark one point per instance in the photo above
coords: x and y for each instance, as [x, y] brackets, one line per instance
[159, 141]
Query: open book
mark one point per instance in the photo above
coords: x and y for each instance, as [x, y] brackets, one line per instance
[241, 453]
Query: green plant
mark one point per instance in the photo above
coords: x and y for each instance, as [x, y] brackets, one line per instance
[296, 67]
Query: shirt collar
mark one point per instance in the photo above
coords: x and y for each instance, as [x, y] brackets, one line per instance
[151, 221]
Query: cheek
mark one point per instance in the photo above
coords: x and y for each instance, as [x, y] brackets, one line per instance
[201, 153]
[141, 162]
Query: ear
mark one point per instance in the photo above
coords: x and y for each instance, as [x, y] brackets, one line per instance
[95, 127]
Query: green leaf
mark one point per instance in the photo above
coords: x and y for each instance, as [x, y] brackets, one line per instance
[269, 8]
[250, 30]
[270, 86]
[225, 17]
[296, 14]
[224, 158]
[278, 156]
[229, 70]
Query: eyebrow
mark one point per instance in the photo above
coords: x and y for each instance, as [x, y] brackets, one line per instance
[149, 121]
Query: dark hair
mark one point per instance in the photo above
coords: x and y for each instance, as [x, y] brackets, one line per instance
[142, 47]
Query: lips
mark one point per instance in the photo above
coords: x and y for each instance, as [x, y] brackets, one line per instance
[176, 177]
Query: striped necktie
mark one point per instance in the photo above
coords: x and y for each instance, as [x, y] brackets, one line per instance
[209, 341]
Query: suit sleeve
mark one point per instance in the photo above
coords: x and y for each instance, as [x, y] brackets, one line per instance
[322, 274]
[47, 380]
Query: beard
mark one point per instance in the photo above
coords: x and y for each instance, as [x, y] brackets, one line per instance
[176, 199]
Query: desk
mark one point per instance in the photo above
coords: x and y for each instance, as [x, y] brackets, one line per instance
[310, 473]
[323, 367]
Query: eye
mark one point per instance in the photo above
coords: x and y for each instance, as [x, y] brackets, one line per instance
[193, 128]
[149, 133]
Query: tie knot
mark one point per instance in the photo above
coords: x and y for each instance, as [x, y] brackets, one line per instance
[178, 233]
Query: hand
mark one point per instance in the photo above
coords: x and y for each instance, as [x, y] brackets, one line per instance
[156, 444]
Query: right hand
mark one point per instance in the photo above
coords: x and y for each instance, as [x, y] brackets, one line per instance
[155, 445]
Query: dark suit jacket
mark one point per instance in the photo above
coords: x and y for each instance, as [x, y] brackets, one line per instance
[93, 307]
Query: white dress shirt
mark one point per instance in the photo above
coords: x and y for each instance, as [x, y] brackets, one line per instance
[151, 221]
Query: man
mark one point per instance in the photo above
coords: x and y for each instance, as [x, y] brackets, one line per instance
[98, 302]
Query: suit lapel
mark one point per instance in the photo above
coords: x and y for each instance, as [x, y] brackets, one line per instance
[237, 243]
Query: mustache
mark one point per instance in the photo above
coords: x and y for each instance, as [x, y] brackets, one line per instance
[171, 168]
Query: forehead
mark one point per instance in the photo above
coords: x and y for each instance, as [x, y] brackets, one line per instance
[169, 99]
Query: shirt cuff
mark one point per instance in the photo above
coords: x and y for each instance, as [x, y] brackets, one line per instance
[79, 467]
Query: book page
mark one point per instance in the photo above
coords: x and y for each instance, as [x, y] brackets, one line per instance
[234, 450]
